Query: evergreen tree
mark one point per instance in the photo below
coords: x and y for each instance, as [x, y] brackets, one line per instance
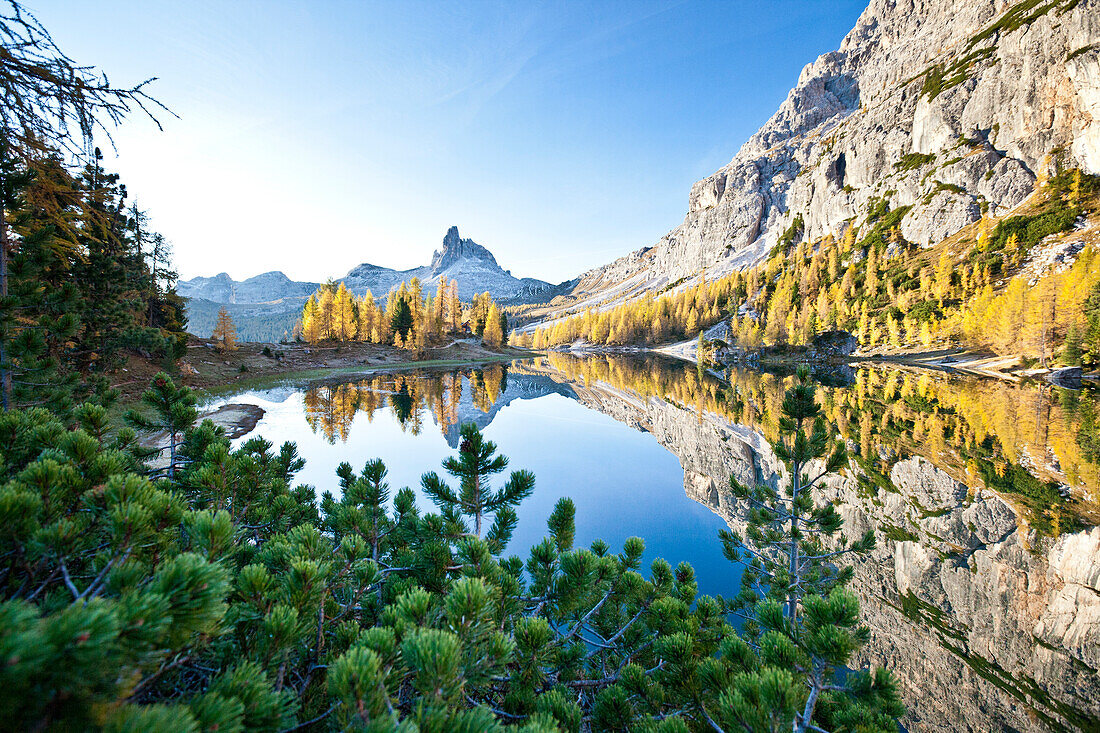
[476, 462]
[791, 548]
[38, 315]
[108, 313]
[401, 321]
[173, 411]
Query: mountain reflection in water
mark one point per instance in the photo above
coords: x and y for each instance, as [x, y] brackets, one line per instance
[982, 594]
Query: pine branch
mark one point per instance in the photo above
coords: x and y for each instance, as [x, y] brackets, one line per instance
[710, 720]
[69, 582]
[620, 632]
[318, 719]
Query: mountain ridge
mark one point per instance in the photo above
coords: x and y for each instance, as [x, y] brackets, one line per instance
[457, 256]
[266, 305]
[950, 110]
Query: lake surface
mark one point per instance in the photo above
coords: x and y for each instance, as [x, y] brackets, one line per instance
[621, 481]
[984, 602]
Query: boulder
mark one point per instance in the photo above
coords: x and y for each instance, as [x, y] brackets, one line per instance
[1069, 377]
[835, 343]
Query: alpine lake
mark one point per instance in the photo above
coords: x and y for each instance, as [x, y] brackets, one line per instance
[982, 594]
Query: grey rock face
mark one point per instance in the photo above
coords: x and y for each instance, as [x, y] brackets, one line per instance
[859, 125]
[835, 343]
[1066, 377]
[455, 248]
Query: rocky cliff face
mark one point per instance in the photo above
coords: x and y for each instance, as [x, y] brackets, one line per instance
[940, 106]
[986, 627]
[455, 249]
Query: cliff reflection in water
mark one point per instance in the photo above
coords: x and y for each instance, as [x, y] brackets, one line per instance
[984, 591]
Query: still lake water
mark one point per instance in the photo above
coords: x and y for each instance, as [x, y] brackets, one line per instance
[977, 599]
[622, 482]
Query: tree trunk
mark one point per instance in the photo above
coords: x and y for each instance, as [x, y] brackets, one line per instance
[172, 456]
[477, 501]
[5, 372]
[803, 724]
[792, 591]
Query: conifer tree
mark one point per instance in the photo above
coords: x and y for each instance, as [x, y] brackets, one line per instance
[224, 335]
[368, 318]
[107, 312]
[871, 280]
[791, 548]
[173, 411]
[38, 313]
[476, 462]
[311, 324]
[401, 321]
[492, 333]
[442, 293]
[344, 318]
[325, 312]
[454, 308]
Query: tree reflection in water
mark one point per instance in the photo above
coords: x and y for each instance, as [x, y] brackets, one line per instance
[1035, 444]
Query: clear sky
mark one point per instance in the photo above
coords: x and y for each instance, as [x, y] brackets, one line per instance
[317, 135]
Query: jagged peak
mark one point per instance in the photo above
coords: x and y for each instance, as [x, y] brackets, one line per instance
[456, 248]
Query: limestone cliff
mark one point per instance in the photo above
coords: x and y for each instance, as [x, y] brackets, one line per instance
[941, 106]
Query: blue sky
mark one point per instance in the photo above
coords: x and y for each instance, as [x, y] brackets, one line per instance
[314, 136]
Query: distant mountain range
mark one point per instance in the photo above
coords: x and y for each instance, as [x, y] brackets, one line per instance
[265, 307]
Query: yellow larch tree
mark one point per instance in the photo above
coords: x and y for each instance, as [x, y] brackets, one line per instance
[492, 334]
[344, 320]
[225, 333]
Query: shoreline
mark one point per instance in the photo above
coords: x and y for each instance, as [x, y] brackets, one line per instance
[210, 372]
[316, 363]
[963, 361]
[209, 394]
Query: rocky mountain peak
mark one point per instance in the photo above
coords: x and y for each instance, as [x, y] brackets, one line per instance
[941, 109]
[455, 248]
